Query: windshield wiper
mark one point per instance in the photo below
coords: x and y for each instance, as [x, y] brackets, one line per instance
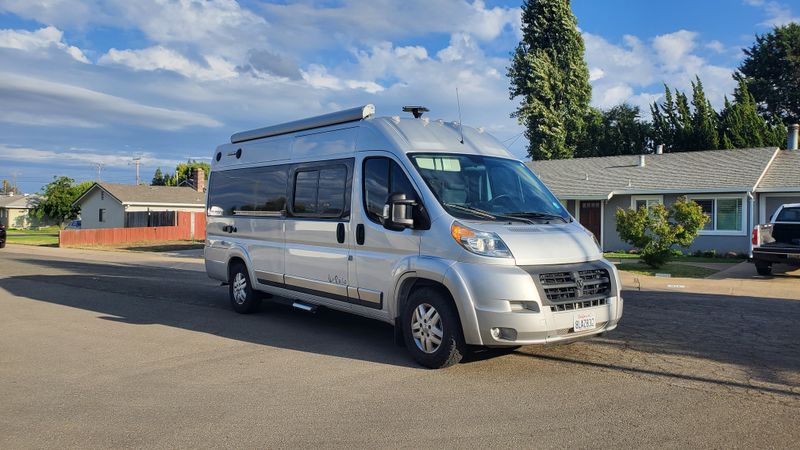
[539, 215]
[486, 214]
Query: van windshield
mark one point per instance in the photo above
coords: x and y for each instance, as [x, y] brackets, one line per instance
[487, 188]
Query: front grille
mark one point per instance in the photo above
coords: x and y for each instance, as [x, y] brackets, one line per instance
[576, 287]
[561, 307]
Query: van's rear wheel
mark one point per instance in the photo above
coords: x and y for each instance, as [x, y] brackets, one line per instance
[432, 330]
[763, 269]
[244, 299]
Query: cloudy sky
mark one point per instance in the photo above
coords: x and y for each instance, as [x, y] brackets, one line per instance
[86, 82]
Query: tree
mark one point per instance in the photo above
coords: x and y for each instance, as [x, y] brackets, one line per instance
[704, 121]
[741, 126]
[655, 230]
[771, 69]
[185, 171]
[617, 131]
[58, 197]
[158, 178]
[550, 75]
[7, 188]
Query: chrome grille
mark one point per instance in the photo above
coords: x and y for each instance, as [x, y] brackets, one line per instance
[576, 287]
[561, 307]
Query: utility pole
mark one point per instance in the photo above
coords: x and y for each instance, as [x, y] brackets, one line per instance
[99, 167]
[136, 161]
[14, 179]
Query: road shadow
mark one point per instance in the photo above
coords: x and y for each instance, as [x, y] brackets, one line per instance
[758, 335]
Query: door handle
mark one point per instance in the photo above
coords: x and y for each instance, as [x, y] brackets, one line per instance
[340, 233]
[360, 234]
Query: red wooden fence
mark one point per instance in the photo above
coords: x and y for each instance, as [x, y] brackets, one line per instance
[186, 230]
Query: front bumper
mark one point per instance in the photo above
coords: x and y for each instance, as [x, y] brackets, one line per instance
[509, 308]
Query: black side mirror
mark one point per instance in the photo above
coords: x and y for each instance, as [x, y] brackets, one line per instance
[398, 212]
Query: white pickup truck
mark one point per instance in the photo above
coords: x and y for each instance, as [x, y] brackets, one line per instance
[778, 242]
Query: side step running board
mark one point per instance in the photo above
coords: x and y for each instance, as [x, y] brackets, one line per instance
[305, 307]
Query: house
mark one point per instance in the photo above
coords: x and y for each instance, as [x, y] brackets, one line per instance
[15, 212]
[107, 205]
[737, 189]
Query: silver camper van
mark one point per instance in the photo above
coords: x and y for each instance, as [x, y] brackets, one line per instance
[425, 224]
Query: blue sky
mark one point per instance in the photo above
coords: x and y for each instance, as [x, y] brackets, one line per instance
[86, 82]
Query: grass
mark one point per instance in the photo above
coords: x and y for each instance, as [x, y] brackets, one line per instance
[675, 270]
[44, 230]
[685, 258]
[168, 246]
[46, 241]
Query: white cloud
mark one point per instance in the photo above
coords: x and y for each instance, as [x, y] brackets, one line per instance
[716, 46]
[42, 39]
[80, 157]
[777, 13]
[45, 103]
[161, 58]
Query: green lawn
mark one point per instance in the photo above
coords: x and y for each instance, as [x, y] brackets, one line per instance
[676, 270]
[43, 230]
[166, 246]
[49, 241]
[686, 258]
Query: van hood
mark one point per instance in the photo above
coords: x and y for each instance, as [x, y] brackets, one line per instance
[545, 243]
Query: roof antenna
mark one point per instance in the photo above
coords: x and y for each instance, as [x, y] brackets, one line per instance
[460, 123]
[417, 111]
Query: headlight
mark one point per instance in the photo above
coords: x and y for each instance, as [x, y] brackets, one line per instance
[482, 243]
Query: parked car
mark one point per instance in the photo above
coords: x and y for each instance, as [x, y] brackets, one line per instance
[778, 242]
[430, 226]
[73, 225]
[2, 236]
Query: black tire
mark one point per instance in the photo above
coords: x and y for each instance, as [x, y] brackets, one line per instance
[247, 300]
[764, 269]
[3, 244]
[452, 347]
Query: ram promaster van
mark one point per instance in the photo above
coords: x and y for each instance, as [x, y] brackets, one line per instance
[430, 226]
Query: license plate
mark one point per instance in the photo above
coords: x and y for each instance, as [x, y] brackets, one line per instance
[584, 322]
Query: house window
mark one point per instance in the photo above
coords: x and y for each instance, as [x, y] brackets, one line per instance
[102, 215]
[726, 214]
[639, 201]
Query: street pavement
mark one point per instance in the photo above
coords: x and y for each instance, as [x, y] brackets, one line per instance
[105, 349]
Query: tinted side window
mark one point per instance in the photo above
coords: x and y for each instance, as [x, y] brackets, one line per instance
[258, 191]
[320, 192]
[383, 177]
[789, 215]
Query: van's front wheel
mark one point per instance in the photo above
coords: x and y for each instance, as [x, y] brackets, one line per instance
[244, 299]
[432, 330]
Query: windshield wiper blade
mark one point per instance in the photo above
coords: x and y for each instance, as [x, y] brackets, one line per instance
[539, 215]
[486, 214]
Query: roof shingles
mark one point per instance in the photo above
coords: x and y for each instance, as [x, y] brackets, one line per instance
[144, 194]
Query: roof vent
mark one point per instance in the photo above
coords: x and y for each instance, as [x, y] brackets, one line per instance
[417, 111]
[641, 161]
[791, 143]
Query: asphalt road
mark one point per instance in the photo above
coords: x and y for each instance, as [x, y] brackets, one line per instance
[97, 355]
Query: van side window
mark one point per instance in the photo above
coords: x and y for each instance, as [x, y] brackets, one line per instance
[382, 177]
[320, 192]
[258, 191]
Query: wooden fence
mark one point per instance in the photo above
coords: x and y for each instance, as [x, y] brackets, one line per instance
[191, 226]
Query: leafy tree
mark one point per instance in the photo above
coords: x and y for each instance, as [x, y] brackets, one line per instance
[550, 75]
[655, 230]
[771, 69]
[158, 178]
[617, 131]
[185, 171]
[58, 197]
[7, 188]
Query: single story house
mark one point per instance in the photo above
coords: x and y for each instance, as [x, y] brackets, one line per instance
[738, 189]
[16, 212]
[107, 205]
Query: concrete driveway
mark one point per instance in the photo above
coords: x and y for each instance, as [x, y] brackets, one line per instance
[102, 350]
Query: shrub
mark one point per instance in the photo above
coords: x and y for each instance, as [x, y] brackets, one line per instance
[655, 230]
[710, 253]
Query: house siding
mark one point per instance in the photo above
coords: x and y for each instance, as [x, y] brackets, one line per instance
[739, 243]
[91, 205]
[22, 218]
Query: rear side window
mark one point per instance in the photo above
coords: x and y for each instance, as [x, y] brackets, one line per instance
[789, 215]
[383, 177]
[320, 192]
[257, 191]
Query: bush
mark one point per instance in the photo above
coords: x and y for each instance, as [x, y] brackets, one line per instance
[655, 230]
[710, 254]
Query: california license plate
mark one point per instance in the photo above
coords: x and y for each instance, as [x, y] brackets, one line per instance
[584, 322]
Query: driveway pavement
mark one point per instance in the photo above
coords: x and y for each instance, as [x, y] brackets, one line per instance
[102, 350]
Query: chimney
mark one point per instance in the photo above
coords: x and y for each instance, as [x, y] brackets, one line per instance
[641, 160]
[791, 143]
[199, 179]
[660, 149]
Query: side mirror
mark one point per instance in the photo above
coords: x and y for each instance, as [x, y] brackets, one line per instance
[398, 212]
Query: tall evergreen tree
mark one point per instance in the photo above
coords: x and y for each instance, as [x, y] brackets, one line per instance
[550, 75]
[741, 123]
[617, 131]
[158, 178]
[771, 69]
[704, 121]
